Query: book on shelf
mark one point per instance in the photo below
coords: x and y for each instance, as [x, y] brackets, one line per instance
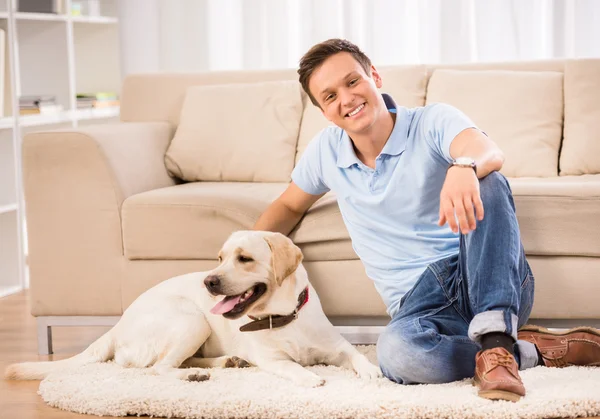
[97, 100]
[35, 100]
[42, 110]
[41, 6]
[38, 104]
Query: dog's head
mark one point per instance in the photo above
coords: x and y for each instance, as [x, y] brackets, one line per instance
[254, 274]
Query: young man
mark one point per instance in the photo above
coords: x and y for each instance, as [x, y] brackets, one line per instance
[434, 224]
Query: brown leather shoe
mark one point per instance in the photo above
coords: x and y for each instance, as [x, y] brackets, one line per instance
[579, 346]
[497, 375]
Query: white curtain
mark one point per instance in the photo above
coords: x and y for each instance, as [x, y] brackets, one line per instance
[206, 35]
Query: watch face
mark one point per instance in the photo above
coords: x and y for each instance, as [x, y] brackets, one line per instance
[465, 161]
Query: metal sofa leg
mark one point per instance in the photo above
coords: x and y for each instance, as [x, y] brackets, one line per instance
[44, 336]
[45, 324]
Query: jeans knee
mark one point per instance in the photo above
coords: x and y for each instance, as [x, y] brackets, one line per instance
[425, 357]
[495, 190]
[404, 362]
[392, 356]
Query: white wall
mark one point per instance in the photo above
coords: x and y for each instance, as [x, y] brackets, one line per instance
[139, 36]
[205, 35]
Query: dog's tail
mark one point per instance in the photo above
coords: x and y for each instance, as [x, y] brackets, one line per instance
[100, 351]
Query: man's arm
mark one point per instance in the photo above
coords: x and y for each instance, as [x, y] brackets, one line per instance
[286, 211]
[475, 144]
[460, 193]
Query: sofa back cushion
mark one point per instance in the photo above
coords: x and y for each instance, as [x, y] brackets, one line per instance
[581, 146]
[159, 96]
[237, 132]
[405, 84]
[522, 111]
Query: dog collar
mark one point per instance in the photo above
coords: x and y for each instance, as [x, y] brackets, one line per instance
[276, 321]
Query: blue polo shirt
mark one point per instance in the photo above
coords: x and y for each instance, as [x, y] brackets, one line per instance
[391, 212]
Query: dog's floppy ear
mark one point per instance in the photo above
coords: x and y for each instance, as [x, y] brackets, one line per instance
[285, 256]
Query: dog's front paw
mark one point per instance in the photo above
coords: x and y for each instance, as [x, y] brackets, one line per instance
[236, 362]
[310, 381]
[198, 376]
[365, 369]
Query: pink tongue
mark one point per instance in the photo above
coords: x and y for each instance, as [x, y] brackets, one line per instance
[225, 305]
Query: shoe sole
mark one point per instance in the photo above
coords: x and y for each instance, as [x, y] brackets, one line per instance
[539, 329]
[496, 394]
[499, 395]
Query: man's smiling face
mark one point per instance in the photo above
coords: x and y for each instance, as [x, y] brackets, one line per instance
[347, 95]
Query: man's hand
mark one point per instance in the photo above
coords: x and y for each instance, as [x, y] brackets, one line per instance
[460, 195]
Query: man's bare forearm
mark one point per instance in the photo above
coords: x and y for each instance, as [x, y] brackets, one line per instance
[278, 217]
[473, 143]
[488, 161]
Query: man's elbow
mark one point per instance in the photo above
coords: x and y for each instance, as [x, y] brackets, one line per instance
[491, 162]
[497, 160]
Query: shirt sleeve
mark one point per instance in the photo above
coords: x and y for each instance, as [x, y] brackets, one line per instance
[308, 173]
[443, 123]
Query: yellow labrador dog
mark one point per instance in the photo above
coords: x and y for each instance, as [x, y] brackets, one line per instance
[256, 307]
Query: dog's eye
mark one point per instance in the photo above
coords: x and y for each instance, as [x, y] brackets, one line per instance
[245, 259]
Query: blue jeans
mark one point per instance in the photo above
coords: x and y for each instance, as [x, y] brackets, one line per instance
[487, 287]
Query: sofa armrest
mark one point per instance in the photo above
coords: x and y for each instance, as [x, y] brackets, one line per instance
[75, 182]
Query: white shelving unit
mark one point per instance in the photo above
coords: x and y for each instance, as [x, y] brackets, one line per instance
[47, 54]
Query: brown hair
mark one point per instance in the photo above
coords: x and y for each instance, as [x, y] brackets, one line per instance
[320, 52]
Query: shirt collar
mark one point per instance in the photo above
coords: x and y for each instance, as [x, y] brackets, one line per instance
[394, 145]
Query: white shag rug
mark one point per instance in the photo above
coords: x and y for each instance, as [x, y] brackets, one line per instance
[109, 390]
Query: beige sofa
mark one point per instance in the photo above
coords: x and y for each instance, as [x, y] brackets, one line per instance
[114, 209]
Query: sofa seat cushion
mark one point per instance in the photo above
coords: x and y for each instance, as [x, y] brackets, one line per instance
[559, 215]
[556, 215]
[193, 220]
[321, 234]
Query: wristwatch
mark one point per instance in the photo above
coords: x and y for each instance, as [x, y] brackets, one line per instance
[464, 162]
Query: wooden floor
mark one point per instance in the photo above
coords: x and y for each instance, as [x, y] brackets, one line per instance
[18, 343]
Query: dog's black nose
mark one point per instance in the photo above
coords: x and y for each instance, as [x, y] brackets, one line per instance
[212, 283]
